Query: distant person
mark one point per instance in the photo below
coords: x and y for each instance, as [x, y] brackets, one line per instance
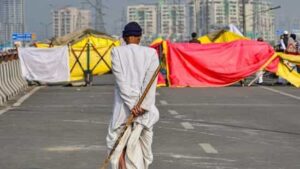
[259, 74]
[284, 40]
[280, 45]
[294, 36]
[293, 48]
[293, 44]
[260, 39]
[194, 38]
[297, 48]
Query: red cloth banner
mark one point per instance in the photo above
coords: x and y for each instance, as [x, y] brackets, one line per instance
[215, 65]
[157, 45]
[161, 82]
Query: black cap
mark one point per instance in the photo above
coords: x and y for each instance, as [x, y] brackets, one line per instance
[132, 29]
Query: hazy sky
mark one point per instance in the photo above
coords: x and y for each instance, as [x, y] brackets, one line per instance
[38, 12]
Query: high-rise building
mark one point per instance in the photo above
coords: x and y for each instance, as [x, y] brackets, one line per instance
[177, 20]
[146, 16]
[215, 14]
[70, 19]
[260, 20]
[173, 21]
[11, 19]
[164, 19]
[194, 16]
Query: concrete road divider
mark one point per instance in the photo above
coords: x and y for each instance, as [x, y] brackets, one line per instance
[11, 80]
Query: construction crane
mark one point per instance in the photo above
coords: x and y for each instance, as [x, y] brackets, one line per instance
[99, 21]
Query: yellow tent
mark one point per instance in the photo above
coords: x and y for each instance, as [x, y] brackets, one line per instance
[287, 69]
[86, 43]
[220, 37]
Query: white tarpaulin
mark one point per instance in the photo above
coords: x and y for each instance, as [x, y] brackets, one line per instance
[234, 29]
[50, 65]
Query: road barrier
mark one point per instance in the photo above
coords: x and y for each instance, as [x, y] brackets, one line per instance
[11, 81]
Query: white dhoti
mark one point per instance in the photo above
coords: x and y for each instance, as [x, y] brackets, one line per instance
[138, 142]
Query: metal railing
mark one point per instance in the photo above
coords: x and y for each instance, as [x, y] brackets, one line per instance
[11, 81]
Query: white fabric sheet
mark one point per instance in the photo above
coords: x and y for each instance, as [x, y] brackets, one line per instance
[50, 65]
[234, 29]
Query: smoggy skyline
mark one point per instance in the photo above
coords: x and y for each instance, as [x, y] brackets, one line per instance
[38, 13]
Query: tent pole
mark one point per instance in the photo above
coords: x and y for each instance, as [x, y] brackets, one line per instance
[254, 80]
[88, 76]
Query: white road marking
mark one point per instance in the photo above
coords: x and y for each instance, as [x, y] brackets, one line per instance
[94, 94]
[173, 105]
[281, 92]
[179, 116]
[187, 125]
[86, 121]
[163, 102]
[76, 148]
[5, 110]
[198, 132]
[157, 94]
[229, 105]
[165, 122]
[25, 97]
[20, 101]
[173, 112]
[181, 156]
[209, 149]
[70, 106]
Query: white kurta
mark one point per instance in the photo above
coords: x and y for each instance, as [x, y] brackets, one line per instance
[133, 67]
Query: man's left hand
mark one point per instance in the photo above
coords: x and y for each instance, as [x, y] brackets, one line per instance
[137, 111]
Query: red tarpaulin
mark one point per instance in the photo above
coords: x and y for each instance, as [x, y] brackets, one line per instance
[157, 45]
[214, 65]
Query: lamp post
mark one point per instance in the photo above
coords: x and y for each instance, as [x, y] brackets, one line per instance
[270, 9]
[257, 20]
[244, 18]
[207, 16]
[254, 13]
[46, 26]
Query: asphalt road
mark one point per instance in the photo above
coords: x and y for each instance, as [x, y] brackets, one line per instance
[199, 128]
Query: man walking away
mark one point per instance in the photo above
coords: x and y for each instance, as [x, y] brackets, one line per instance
[133, 66]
